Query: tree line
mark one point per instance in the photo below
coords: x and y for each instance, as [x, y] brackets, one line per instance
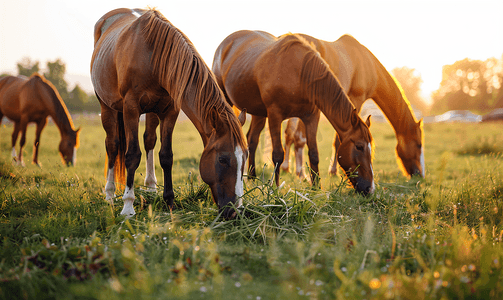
[467, 84]
[76, 100]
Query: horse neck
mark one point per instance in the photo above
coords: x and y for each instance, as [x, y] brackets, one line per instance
[392, 101]
[56, 108]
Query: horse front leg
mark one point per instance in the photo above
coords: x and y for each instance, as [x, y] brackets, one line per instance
[149, 140]
[311, 124]
[166, 154]
[277, 148]
[253, 135]
[22, 128]
[40, 126]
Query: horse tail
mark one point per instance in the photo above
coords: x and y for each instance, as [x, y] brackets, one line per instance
[120, 160]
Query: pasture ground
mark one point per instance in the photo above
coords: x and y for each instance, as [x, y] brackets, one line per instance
[435, 238]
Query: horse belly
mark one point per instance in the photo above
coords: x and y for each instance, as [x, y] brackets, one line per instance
[247, 95]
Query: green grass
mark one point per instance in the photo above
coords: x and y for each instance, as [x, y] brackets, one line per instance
[435, 238]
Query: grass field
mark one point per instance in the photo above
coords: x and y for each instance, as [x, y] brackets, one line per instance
[435, 238]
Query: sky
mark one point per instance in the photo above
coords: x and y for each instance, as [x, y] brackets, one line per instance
[422, 35]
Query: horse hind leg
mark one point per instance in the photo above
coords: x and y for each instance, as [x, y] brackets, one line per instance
[149, 140]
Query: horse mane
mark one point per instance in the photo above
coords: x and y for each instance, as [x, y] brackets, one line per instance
[61, 113]
[184, 74]
[318, 82]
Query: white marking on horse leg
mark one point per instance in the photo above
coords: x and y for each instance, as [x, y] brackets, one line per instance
[128, 197]
[298, 162]
[422, 162]
[286, 161]
[238, 152]
[110, 186]
[14, 154]
[372, 188]
[150, 179]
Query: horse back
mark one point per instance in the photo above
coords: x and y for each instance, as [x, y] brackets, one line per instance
[235, 67]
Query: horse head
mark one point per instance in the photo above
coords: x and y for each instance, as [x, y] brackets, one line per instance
[222, 165]
[355, 154]
[68, 147]
[411, 153]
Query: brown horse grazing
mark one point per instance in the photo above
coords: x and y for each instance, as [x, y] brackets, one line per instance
[143, 64]
[280, 78]
[364, 77]
[24, 100]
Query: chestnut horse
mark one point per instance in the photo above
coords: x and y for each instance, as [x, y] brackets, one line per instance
[364, 77]
[143, 64]
[32, 100]
[280, 78]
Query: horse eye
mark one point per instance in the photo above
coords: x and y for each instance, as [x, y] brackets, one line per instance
[359, 148]
[420, 146]
[223, 160]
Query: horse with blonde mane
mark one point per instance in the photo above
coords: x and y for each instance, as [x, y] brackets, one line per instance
[32, 100]
[363, 76]
[143, 64]
[280, 78]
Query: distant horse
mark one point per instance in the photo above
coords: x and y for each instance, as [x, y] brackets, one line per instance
[364, 77]
[280, 78]
[143, 64]
[25, 100]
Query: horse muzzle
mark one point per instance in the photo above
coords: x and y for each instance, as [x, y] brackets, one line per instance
[228, 212]
[363, 186]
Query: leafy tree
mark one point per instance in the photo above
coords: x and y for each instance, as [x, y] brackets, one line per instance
[4, 75]
[411, 82]
[92, 104]
[56, 75]
[26, 67]
[77, 99]
[469, 84]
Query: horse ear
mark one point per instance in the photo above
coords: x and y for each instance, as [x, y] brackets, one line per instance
[354, 118]
[368, 121]
[420, 123]
[242, 117]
